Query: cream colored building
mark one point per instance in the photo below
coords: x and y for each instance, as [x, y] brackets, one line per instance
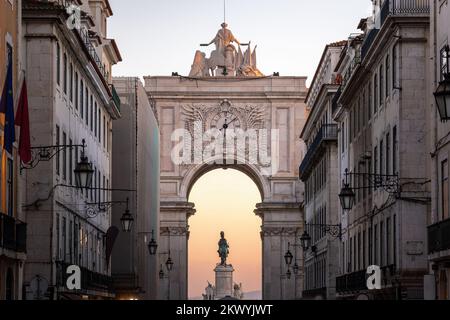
[71, 98]
[136, 167]
[382, 118]
[319, 172]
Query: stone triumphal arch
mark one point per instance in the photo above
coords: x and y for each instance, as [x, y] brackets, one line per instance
[220, 103]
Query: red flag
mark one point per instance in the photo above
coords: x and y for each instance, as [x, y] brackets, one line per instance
[23, 120]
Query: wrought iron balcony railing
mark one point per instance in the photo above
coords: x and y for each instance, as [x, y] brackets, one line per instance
[394, 8]
[439, 237]
[328, 132]
[352, 282]
[115, 96]
[13, 234]
[90, 280]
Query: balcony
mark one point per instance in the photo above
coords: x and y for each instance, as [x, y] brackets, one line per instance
[439, 237]
[115, 97]
[13, 234]
[327, 133]
[90, 281]
[399, 8]
[352, 282]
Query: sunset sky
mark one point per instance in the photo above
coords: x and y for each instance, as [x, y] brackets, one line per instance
[159, 37]
[225, 200]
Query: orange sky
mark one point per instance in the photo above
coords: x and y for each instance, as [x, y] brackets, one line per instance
[225, 200]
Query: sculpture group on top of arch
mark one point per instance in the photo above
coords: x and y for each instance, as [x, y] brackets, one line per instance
[226, 60]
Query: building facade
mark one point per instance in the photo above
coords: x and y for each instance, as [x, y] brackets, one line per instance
[439, 219]
[13, 230]
[136, 167]
[319, 172]
[382, 134]
[68, 67]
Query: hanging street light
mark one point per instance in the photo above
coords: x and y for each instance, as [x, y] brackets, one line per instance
[83, 171]
[305, 240]
[347, 196]
[169, 263]
[127, 220]
[288, 257]
[152, 245]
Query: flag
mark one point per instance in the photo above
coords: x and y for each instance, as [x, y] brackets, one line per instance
[7, 107]
[23, 121]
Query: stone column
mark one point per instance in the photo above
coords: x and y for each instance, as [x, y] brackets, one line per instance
[224, 281]
[282, 224]
[174, 235]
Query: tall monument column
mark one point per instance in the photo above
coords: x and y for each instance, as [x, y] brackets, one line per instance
[174, 235]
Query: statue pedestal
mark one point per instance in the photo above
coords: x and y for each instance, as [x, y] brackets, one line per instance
[224, 281]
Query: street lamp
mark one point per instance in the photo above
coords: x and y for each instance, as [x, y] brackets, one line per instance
[305, 240]
[127, 219]
[347, 196]
[288, 274]
[169, 263]
[288, 257]
[152, 245]
[161, 273]
[83, 171]
[296, 268]
[442, 94]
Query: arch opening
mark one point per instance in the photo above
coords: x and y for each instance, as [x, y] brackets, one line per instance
[225, 201]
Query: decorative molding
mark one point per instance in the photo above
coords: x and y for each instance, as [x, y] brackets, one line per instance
[174, 231]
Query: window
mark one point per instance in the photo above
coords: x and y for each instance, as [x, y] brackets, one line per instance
[388, 154]
[86, 109]
[99, 181]
[394, 239]
[394, 67]
[388, 241]
[104, 132]
[369, 105]
[76, 90]
[99, 126]
[394, 150]
[388, 66]
[64, 238]
[375, 245]
[71, 83]
[382, 243]
[381, 85]
[342, 137]
[359, 251]
[92, 114]
[58, 64]
[65, 73]
[370, 245]
[64, 155]
[375, 94]
[95, 118]
[444, 68]
[81, 99]
[444, 190]
[58, 235]
[375, 154]
[381, 157]
[57, 155]
[10, 188]
[71, 242]
[70, 163]
[364, 250]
